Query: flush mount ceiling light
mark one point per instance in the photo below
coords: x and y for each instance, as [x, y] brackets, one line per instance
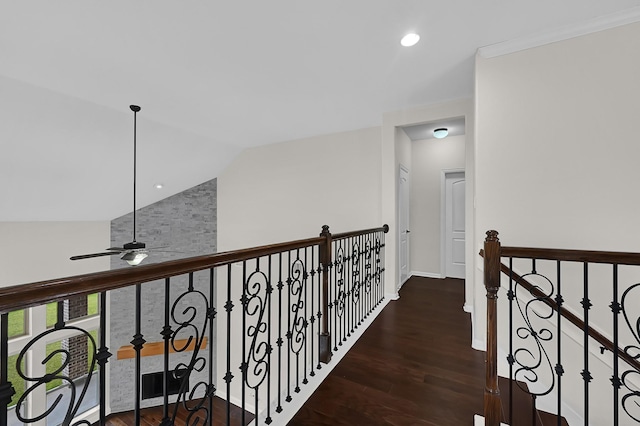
[440, 133]
[410, 39]
[158, 186]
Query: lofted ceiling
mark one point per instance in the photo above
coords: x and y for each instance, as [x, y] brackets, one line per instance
[214, 78]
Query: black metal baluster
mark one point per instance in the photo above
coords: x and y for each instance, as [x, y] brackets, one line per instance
[167, 332]
[312, 318]
[243, 365]
[304, 317]
[296, 289]
[211, 317]
[6, 388]
[337, 327]
[288, 398]
[533, 397]
[349, 285]
[102, 357]
[586, 374]
[615, 379]
[268, 419]
[279, 341]
[320, 302]
[229, 375]
[138, 343]
[510, 359]
[559, 367]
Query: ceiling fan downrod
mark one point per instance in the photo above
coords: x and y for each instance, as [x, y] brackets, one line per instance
[135, 109]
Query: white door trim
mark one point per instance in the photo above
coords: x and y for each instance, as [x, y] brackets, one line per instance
[443, 218]
[404, 169]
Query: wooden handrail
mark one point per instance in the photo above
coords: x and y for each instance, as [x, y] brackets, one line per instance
[384, 228]
[34, 294]
[42, 292]
[612, 257]
[571, 317]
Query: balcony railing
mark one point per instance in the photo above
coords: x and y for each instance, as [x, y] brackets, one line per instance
[248, 326]
[570, 325]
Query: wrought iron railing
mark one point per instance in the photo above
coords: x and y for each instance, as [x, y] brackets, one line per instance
[573, 337]
[249, 326]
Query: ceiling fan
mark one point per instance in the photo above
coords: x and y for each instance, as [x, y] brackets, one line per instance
[134, 252]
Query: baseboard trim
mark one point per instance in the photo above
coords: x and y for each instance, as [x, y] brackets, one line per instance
[426, 274]
[479, 345]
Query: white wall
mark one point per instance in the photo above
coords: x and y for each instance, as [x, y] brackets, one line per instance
[288, 190]
[557, 150]
[49, 246]
[430, 157]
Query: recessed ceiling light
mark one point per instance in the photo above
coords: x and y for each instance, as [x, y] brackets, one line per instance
[410, 39]
[440, 133]
[158, 186]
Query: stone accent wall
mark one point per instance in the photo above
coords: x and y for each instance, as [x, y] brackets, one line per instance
[180, 226]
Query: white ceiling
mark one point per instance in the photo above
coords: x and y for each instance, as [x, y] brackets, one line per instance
[213, 78]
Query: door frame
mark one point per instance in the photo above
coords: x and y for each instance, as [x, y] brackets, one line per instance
[403, 168]
[443, 218]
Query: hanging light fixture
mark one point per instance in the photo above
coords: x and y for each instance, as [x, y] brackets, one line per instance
[441, 133]
[134, 258]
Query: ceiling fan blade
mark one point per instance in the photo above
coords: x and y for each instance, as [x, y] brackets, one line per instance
[88, 256]
[119, 249]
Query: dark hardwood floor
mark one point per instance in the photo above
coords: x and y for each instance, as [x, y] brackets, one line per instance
[413, 366]
[153, 416]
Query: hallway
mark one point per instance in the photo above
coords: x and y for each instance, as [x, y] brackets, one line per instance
[413, 366]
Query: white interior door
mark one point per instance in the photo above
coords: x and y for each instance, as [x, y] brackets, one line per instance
[454, 225]
[403, 223]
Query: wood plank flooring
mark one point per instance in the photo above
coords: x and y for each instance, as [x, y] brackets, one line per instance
[153, 416]
[413, 366]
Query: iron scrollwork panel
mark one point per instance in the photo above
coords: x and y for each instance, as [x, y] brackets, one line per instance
[191, 322]
[75, 397]
[529, 362]
[631, 400]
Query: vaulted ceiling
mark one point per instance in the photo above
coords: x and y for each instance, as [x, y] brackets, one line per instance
[216, 77]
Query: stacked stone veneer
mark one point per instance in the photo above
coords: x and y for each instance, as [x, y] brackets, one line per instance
[184, 225]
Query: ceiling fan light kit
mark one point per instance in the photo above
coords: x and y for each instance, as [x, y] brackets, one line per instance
[134, 252]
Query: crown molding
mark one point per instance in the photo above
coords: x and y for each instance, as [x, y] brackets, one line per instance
[600, 23]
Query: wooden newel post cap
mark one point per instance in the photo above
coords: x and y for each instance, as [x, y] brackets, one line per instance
[492, 236]
[325, 230]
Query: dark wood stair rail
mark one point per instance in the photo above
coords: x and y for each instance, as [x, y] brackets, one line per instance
[492, 254]
[38, 293]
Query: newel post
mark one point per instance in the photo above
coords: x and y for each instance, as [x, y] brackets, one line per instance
[492, 404]
[325, 261]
